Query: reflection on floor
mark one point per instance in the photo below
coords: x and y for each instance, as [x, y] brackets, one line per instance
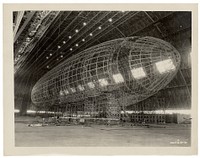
[101, 135]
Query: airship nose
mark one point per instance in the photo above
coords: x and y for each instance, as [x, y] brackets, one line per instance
[153, 63]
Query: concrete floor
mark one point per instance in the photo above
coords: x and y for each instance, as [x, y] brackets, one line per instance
[100, 135]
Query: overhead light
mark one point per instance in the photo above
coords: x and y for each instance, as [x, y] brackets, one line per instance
[59, 47]
[76, 30]
[91, 34]
[64, 42]
[70, 37]
[81, 88]
[165, 66]
[28, 39]
[91, 84]
[31, 111]
[103, 82]
[71, 49]
[76, 44]
[47, 66]
[61, 56]
[84, 23]
[138, 73]
[118, 78]
[50, 54]
[16, 110]
[110, 20]
[83, 40]
[57, 59]
[47, 57]
[99, 27]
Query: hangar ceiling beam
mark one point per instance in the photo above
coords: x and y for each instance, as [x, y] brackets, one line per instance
[17, 23]
[156, 24]
[24, 25]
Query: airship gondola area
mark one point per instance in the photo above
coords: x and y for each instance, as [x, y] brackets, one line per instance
[108, 69]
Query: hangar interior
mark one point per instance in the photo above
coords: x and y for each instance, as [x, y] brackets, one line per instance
[47, 43]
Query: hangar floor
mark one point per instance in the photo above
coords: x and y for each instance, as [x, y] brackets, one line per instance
[100, 135]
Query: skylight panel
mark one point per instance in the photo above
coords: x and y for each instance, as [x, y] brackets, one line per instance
[138, 73]
[61, 93]
[81, 88]
[66, 91]
[103, 82]
[91, 84]
[165, 66]
[118, 78]
[73, 90]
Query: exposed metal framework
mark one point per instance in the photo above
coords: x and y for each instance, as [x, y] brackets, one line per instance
[19, 16]
[123, 71]
[40, 22]
[51, 40]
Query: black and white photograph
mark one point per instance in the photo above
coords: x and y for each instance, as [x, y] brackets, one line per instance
[103, 77]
